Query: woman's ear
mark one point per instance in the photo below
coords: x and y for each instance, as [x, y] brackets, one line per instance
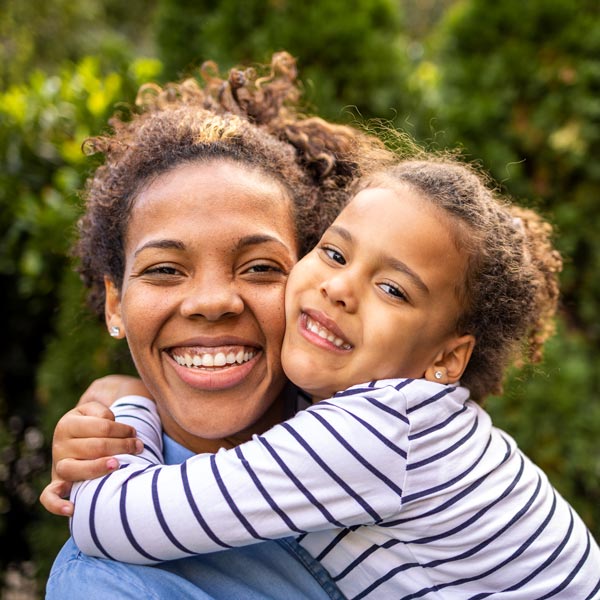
[451, 362]
[112, 309]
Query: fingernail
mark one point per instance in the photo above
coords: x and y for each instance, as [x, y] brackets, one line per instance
[67, 510]
[112, 464]
[139, 447]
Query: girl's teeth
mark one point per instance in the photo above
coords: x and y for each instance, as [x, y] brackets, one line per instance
[239, 357]
[207, 360]
[325, 334]
[220, 360]
[230, 358]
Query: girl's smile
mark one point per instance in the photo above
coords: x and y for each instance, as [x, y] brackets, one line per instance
[370, 303]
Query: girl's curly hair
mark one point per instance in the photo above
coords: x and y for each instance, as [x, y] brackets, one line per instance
[510, 290]
[247, 117]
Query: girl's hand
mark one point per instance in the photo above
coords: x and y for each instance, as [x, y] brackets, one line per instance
[84, 441]
[112, 387]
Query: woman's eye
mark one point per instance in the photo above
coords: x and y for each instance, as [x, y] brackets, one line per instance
[393, 290]
[264, 269]
[161, 270]
[334, 255]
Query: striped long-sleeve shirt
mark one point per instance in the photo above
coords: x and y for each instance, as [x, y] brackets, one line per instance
[400, 488]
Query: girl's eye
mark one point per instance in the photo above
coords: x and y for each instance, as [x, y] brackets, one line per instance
[334, 255]
[393, 290]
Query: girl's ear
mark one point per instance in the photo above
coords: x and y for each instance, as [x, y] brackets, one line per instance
[112, 309]
[451, 362]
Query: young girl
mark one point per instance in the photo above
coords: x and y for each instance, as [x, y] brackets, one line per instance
[399, 323]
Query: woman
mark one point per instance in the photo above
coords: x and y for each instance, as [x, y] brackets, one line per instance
[211, 193]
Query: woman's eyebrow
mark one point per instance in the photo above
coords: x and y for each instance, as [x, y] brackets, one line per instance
[165, 244]
[256, 239]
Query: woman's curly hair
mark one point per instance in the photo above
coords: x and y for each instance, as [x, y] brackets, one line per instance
[510, 290]
[246, 117]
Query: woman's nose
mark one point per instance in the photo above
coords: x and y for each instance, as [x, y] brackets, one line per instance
[212, 298]
[340, 291]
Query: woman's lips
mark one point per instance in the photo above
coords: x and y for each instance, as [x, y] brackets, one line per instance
[213, 368]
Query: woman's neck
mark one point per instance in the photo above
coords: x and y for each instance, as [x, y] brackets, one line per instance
[281, 409]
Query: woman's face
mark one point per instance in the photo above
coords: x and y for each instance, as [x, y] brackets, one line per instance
[208, 251]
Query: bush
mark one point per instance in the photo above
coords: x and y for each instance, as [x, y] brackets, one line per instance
[42, 125]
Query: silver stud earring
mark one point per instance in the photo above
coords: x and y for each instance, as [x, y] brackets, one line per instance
[438, 374]
[114, 331]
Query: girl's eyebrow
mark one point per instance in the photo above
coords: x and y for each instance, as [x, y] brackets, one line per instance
[165, 244]
[392, 262]
[398, 265]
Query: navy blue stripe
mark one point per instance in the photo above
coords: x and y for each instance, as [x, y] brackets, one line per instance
[122, 415]
[299, 484]
[432, 399]
[576, 570]
[446, 451]
[190, 498]
[480, 513]
[464, 580]
[394, 542]
[445, 505]
[420, 434]
[137, 406]
[155, 452]
[160, 516]
[400, 451]
[92, 518]
[451, 482]
[556, 554]
[336, 540]
[356, 455]
[512, 557]
[388, 409]
[125, 521]
[259, 486]
[236, 511]
[403, 384]
[592, 594]
[532, 575]
[361, 501]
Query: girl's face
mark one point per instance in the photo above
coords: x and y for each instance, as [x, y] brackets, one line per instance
[377, 298]
[208, 251]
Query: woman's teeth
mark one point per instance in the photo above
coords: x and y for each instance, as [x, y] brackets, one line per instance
[324, 333]
[219, 359]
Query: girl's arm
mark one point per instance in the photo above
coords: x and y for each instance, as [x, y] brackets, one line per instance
[337, 464]
[86, 437]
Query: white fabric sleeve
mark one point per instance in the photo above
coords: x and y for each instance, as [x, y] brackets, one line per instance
[327, 467]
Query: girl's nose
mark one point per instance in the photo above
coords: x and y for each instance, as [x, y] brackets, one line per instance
[339, 290]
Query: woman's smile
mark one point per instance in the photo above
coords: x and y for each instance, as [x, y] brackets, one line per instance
[208, 251]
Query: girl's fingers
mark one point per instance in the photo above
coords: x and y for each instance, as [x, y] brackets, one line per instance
[93, 447]
[70, 469]
[53, 498]
[88, 427]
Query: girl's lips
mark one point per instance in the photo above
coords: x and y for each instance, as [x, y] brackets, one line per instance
[322, 331]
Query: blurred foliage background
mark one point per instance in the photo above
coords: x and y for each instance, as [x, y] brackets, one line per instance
[515, 85]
